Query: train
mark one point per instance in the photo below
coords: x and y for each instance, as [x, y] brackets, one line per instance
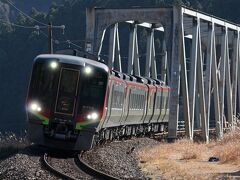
[74, 102]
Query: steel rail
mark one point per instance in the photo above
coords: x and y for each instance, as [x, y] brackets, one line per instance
[50, 168]
[81, 164]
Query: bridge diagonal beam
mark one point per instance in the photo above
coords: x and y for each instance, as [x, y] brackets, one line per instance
[193, 70]
[208, 73]
[136, 65]
[133, 56]
[214, 70]
[228, 86]
[118, 55]
[235, 77]
[153, 61]
[164, 68]
[150, 39]
[200, 81]
[222, 76]
[112, 47]
[101, 44]
[114, 61]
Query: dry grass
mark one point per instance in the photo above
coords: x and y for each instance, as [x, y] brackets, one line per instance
[185, 159]
[228, 149]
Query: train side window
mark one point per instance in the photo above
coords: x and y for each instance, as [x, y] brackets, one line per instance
[133, 98]
[159, 101]
[136, 101]
[122, 99]
[163, 100]
[118, 99]
[156, 102]
[130, 99]
[113, 97]
[142, 99]
[167, 101]
[150, 101]
[139, 103]
[120, 103]
[134, 104]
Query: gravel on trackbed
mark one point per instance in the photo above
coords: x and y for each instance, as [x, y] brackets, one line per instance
[24, 165]
[117, 158]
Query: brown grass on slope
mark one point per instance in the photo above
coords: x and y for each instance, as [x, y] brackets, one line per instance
[189, 160]
[228, 149]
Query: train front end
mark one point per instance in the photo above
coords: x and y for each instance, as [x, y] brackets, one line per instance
[65, 101]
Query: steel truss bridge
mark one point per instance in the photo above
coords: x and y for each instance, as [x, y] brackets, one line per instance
[199, 59]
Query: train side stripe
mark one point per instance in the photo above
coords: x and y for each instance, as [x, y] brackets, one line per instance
[80, 125]
[44, 119]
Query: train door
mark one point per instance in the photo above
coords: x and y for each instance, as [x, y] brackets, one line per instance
[67, 92]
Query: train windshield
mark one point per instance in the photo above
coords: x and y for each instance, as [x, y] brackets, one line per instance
[43, 84]
[92, 91]
[62, 88]
[67, 91]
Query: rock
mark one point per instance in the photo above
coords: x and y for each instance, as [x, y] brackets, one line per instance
[213, 159]
[38, 174]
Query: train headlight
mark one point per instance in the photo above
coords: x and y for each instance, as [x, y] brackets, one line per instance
[34, 106]
[87, 70]
[92, 116]
[53, 64]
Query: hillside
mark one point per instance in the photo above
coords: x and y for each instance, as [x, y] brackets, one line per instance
[18, 46]
[41, 5]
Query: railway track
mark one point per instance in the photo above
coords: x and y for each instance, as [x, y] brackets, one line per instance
[46, 163]
[82, 169]
[91, 170]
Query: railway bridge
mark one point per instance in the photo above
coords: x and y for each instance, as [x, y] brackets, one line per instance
[195, 53]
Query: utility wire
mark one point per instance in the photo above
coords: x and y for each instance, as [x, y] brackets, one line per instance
[69, 42]
[19, 10]
[36, 27]
[17, 25]
[44, 24]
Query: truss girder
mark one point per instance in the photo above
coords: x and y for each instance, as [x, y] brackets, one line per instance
[203, 78]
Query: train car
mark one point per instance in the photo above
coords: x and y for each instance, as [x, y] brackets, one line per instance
[74, 102]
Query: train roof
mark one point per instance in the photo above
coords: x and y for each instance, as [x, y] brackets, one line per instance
[73, 60]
